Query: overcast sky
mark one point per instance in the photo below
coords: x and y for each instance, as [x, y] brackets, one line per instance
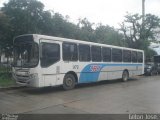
[109, 12]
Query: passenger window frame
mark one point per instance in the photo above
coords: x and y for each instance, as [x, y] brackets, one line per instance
[42, 57]
[93, 53]
[103, 54]
[63, 51]
[88, 60]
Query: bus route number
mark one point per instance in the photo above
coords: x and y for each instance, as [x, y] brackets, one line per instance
[75, 66]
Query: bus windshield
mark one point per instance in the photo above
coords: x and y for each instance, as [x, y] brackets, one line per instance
[25, 54]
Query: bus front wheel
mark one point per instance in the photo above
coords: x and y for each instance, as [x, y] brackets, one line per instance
[69, 82]
[125, 76]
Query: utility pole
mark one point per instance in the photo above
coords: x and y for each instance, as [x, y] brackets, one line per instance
[143, 11]
[143, 19]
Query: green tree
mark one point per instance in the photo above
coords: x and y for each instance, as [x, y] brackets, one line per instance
[29, 16]
[137, 34]
[25, 15]
[86, 31]
[108, 35]
[5, 29]
[61, 27]
[20, 17]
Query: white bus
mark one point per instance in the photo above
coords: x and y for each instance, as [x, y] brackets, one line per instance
[41, 61]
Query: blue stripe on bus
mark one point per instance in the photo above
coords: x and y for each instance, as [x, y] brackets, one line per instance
[90, 73]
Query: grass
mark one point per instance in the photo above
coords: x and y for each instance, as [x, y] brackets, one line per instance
[6, 77]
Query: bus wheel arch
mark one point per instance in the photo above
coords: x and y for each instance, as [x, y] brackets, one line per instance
[125, 75]
[69, 81]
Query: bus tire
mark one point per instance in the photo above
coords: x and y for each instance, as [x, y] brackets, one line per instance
[125, 76]
[69, 82]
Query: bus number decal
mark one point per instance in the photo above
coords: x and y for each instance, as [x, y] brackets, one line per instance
[75, 66]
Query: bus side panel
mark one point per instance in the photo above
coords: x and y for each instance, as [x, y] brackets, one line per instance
[111, 72]
[139, 70]
[60, 78]
[96, 72]
[131, 68]
[135, 70]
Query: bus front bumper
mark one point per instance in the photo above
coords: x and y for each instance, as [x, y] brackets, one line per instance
[30, 80]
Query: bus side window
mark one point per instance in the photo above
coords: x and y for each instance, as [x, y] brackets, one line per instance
[106, 54]
[134, 56]
[84, 53]
[116, 55]
[70, 52]
[96, 54]
[50, 54]
[140, 57]
[126, 56]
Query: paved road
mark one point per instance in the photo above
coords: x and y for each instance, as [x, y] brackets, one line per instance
[139, 95]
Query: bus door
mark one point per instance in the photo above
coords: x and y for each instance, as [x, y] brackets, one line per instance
[49, 57]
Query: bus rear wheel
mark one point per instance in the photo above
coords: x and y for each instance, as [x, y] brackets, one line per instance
[125, 76]
[69, 82]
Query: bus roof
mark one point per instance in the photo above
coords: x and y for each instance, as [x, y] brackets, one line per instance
[76, 41]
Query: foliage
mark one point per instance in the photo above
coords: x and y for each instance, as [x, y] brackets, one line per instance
[5, 29]
[149, 53]
[139, 34]
[6, 80]
[86, 31]
[108, 35]
[5, 76]
[25, 15]
[29, 16]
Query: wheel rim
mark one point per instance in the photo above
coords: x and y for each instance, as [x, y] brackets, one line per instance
[69, 82]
